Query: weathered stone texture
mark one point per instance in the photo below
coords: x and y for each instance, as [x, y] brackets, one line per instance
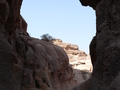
[27, 63]
[106, 69]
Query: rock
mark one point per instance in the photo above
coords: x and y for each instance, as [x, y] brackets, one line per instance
[78, 59]
[69, 48]
[91, 3]
[74, 52]
[27, 63]
[56, 40]
[72, 47]
[7, 53]
[23, 24]
[84, 86]
[106, 70]
[4, 12]
[14, 15]
[65, 46]
[7, 58]
[48, 64]
[93, 50]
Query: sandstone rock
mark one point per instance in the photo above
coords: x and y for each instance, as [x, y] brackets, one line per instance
[46, 66]
[105, 75]
[23, 24]
[4, 12]
[14, 15]
[56, 40]
[7, 58]
[27, 63]
[65, 46]
[73, 52]
[93, 50]
[79, 60]
[72, 47]
[84, 86]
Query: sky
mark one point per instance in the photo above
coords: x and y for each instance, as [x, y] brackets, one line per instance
[67, 20]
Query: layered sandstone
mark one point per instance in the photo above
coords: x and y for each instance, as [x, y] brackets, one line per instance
[78, 59]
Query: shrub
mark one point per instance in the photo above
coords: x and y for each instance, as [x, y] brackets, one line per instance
[47, 37]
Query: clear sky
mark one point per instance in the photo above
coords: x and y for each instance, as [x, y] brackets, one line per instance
[64, 19]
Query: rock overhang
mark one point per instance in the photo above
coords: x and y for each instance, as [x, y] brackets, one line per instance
[91, 3]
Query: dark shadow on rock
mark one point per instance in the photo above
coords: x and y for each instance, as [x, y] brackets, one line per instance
[81, 76]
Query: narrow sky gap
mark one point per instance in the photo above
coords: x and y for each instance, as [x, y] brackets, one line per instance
[67, 20]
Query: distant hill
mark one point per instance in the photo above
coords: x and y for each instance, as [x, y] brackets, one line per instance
[78, 59]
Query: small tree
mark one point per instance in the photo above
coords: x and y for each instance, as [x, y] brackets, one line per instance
[47, 37]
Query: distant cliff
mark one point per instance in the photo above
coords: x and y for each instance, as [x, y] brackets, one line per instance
[78, 59]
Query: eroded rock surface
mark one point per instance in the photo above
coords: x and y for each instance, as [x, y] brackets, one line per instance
[27, 63]
[78, 59]
[46, 66]
[106, 71]
[72, 51]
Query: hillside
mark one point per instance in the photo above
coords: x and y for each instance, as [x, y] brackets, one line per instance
[78, 59]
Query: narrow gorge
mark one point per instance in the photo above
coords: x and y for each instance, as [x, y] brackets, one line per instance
[27, 63]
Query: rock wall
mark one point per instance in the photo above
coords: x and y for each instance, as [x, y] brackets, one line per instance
[106, 71]
[78, 59]
[27, 63]
[72, 51]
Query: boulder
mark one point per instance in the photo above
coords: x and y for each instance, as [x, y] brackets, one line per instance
[46, 66]
[72, 47]
[66, 46]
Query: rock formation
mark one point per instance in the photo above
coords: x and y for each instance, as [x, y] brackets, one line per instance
[91, 3]
[78, 59]
[105, 75]
[27, 63]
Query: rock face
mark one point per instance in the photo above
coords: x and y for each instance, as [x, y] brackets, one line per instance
[27, 63]
[91, 3]
[72, 50]
[106, 71]
[78, 59]
[46, 66]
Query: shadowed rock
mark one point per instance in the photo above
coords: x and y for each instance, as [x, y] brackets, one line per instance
[27, 63]
[106, 69]
[91, 3]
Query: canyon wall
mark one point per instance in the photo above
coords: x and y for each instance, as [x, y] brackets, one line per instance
[105, 47]
[27, 63]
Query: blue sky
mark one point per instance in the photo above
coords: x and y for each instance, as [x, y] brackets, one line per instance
[64, 19]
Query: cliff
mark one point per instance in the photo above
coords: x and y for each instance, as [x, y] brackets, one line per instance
[78, 59]
[27, 63]
[105, 47]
